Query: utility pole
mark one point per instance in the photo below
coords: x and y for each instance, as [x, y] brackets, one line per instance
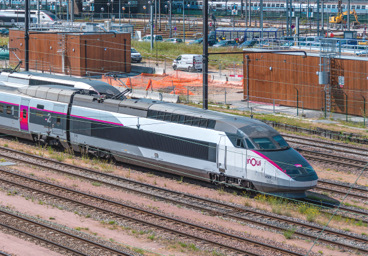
[250, 13]
[170, 17]
[348, 21]
[152, 22]
[38, 13]
[183, 21]
[317, 17]
[119, 12]
[261, 16]
[205, 54]
[246, 13]
[323, 18]
[159, 15]
[26, 36]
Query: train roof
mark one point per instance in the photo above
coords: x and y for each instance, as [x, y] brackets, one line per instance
[33, 78]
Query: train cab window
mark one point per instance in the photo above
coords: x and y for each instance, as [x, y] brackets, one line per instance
[264, 143]
[9, 110]
[280, 140]
[58, 120]
[1, 108]
[240, 143]
[167, 117]
[24, 113]
[249, 144]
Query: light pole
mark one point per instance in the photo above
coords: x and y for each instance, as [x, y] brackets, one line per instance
[17, 13]
[84, 9]
[112, 8]
[102, 10]
[188, 16]
[144, 18]
[123, 8]
[108, 11]
[129, 11]
[169, 3]
[119, 12]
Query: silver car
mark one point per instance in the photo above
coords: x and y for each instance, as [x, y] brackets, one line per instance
[135, 55]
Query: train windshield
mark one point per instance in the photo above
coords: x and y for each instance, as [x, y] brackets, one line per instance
[264, 143]
[280, 141]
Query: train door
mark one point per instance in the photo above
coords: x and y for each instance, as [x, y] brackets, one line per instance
[221, 154]
[23, 114]
[58, 119]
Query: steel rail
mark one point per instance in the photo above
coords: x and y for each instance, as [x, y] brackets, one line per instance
[330, 144]
[160, 216]
[56, 231]
[341, 192]
[118, 178]
[217, 212]
[328, 158]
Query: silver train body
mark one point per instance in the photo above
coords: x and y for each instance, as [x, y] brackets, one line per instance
[361, 7]
[187, 141]
[11, 17]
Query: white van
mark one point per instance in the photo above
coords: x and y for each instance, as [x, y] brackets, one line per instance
[190, 62]
[148, 38]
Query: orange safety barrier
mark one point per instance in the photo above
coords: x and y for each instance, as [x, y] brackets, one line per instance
[176, 83]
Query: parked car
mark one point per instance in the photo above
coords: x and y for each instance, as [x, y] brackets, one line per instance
[135, 55]
[4, 31]
[226, 43]
[247, 44]
[211, 42]
[173, 40]
[190, 62]
[148, 38]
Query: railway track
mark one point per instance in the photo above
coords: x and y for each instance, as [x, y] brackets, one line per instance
[124, 213]
[341, 189]
[338, 147]
[206, 205]
[52, 238]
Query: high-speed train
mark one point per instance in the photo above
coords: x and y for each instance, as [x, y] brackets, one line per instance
[361, 7]
[201, 144]
[12, 17]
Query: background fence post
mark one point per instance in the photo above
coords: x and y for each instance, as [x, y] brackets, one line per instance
[274, 106]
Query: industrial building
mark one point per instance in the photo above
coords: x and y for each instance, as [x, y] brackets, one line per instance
[72, 53]
[330, 83]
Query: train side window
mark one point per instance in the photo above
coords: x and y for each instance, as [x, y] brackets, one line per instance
[167, 117]
[39, 106]
[58, 120]
[24, 113]
[175, 118]
[181, 119]
[1, 108]
[8, 110]
[39, 113]
[358, 6]
[188, 120]
[363, 6]
[203, 123]
[195, 121]
[160, 115]
[249, 144]
[273, 5]
[211, 124]
[152, 114]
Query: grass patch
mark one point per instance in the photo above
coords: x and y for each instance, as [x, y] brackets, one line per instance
[288, 234]
[97, 184]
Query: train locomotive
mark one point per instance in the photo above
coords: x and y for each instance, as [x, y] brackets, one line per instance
[93, 117]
